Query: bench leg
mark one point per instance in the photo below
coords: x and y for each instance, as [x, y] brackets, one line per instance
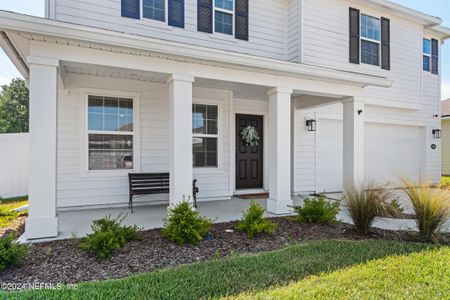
[130, 204]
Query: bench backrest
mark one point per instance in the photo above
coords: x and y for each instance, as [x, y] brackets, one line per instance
[149, 183]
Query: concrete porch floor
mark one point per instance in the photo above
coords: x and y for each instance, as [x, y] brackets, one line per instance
[78, 223]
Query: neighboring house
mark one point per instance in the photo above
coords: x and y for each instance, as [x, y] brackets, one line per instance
[337, 91]
[445, 144]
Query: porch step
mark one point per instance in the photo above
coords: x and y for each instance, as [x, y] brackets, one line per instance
[253, 196]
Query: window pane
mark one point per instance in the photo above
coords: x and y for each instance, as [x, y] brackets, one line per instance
[370, 27]
[154, 9]
[109, 152]
[204, 152]
[224, 4]
[427, 46]
[223, 23]
[204, 119]
[369, 53]
[110, 114]
[426, 63]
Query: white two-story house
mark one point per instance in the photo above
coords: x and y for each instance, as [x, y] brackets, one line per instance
[283, 96]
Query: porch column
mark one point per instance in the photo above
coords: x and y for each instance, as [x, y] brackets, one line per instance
[279, 150]
[353, 168]
[43, 85]
[180, 116]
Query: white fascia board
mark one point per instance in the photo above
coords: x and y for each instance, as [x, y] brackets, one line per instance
[443, 32]
[13, 55]
[46, 27]
[408, 12]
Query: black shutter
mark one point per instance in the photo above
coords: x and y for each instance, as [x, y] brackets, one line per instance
[354, 35]
[434, 56]
[176, 13]
[130, 9]
[385, 44]
[241, 13]
[204, 15]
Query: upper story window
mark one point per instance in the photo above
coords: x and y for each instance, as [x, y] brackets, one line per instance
[426, 55]
[370, 40]
[110, 133]
[154, 9]
[223, 16]
[205, 134]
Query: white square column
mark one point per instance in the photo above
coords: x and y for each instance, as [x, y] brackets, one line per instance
[180, 118]
[279, 150]
[353, 168]
[43, 85]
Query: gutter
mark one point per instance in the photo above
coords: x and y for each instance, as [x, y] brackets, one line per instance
[46, 27]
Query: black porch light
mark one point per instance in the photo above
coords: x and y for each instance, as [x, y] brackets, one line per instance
[311, 124]
[437, 133]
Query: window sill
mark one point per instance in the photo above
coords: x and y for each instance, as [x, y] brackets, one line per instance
[154, 23]
[107, 173]
[201, 171]
[223, 37]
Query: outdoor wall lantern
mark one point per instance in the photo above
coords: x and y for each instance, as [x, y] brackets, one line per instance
[437, 133]
[311, 124]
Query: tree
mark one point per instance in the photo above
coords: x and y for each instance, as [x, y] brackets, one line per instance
[14, 103]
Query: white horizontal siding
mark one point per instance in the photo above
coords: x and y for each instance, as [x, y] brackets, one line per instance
[267, 25]
[77, 188]
[294, 23]
[326, 43]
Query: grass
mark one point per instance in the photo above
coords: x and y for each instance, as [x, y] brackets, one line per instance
[238, 274]
[424, 275]
[6, 209]
[445, 180]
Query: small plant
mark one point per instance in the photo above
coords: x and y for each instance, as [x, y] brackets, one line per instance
[253, 221]
[11, 252]
[393, 209]
[317, 210]
[364, 204]
[6, 216]
[108, 235]
[431, 206]
[184, 224]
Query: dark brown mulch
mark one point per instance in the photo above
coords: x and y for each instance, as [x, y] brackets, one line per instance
[17, 225]
[63, 262]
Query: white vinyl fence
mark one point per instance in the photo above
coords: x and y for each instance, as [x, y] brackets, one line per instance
[13, 165]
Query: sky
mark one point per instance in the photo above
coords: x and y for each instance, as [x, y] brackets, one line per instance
[439, 8]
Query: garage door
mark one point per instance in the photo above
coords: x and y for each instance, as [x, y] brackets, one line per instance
[391, 151]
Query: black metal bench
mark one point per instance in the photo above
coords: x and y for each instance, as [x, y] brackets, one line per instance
[141, 184]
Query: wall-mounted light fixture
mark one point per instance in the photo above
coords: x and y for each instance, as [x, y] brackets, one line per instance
[311, 124]
[437, 133]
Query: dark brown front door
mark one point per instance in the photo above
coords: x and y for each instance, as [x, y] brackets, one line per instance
[249, 159]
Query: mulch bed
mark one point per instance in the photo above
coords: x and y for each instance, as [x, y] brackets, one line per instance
[63, 262]
[17, 225]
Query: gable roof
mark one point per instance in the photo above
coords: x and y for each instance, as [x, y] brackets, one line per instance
[445, 108]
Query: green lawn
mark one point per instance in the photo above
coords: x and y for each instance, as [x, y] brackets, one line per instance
[424, 275]
[445, 180]
[235, 275]
[6, 209]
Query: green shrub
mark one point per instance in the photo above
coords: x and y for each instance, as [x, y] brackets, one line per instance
[393, 209]
[108, 235]
[317, 210]
[184, 224]
[253, 221]
[431, 206]
[11, 252]
[364, 203]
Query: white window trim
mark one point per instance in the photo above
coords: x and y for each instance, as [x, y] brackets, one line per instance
[219, 168]
[361, 38]
[84, 96]
[230, 12]
[426, 54]
[153, 21]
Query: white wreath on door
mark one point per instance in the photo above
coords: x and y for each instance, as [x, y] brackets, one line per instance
[250, 136]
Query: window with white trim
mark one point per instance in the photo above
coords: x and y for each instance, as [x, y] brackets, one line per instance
[205, 135]
[110, 133]
[154, 9]
[426, 55]
[224, 16]
[370, 40]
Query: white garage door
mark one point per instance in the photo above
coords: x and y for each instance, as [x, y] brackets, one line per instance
[391, 151]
